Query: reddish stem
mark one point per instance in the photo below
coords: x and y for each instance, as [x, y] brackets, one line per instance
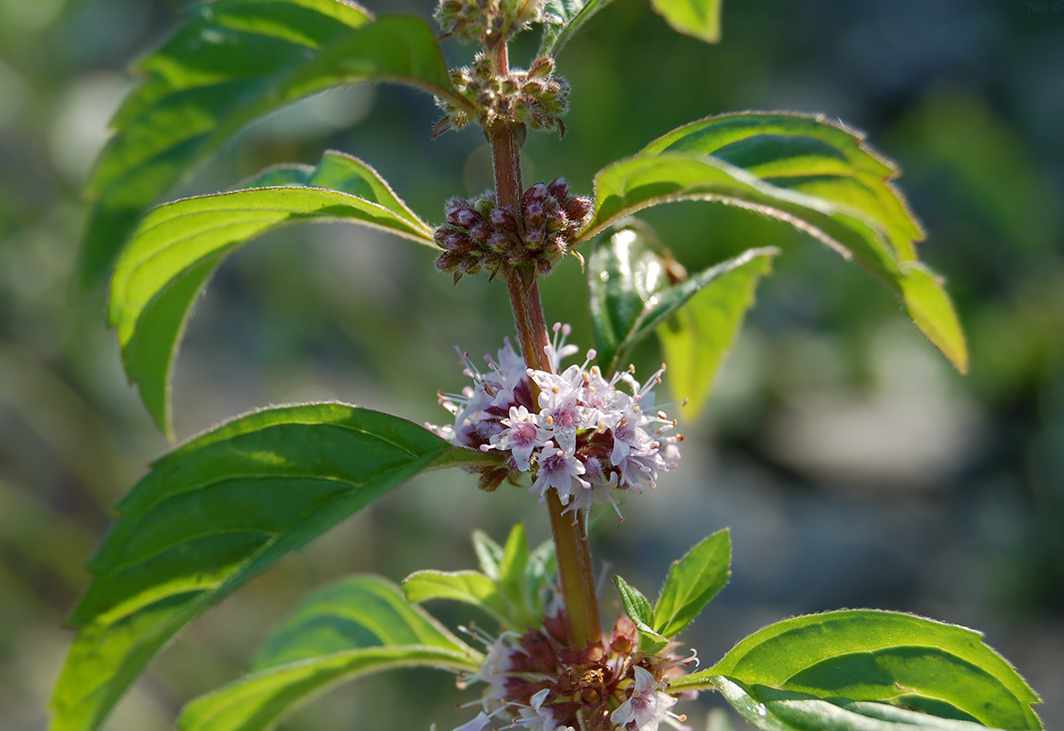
[570, 540]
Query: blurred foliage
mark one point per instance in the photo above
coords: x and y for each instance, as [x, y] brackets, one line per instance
[836, 433]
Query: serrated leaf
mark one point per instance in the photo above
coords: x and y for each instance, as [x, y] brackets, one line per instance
[774, 710]
[215, 512]
[637, 608]
[698, 18]
[563, 19]
[696, 338]
[469, 587]
[231, 63]
[692, 582]
[179, 245]
[889, 657]
[633, 291]
[354, 627]
[819, 177]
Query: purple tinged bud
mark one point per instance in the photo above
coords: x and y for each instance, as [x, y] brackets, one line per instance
[557, 221]
[467, 218]
[534, 214]
[534, 237]
[457, 241]
[448, 261]
[578, 208]
[537, 193]
[502, 218]
[480, 231]
[453, 210]
[500, 242]
[558, 189]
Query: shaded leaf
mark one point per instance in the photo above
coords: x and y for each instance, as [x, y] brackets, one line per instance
[774, 710]
[357, 626]
[696, 338]
[698, 18]
[518, 585]
[819, 177]
[634, 289]
[563, 19]
[179, 245]
[470, 587]
[692, 582]
[489, 554]
[214, 513]
[868, 655]
[638, 609]
[231, 63]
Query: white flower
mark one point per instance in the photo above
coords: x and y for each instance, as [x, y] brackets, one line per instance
[590, 438]
[477, 724]
[521, 437]
[647, 707]
[535, 714]
[557, 469]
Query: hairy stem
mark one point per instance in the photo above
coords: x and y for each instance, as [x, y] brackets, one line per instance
[570, 540]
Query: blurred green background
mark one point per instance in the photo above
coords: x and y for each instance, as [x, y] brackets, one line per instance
[853, 466]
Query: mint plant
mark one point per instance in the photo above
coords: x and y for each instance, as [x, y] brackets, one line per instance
[580, 437]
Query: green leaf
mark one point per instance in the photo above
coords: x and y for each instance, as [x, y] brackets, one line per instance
[563, 18]
[540, 573]
[513, 579]
[634, 289]
[889, 657]
[698, 18]
[695, 339]
[692, 583]
[489, 554]
[178, 246]
[215, 512]
[818, 176]
[231, 63]
[774, 710]
[638, 609]
[470, 587]
[357, 626]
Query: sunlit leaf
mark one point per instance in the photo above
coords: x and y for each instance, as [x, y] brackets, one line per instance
[178, 246]
[698, 18]
[358, 626]
[691, 584]
[636, 288]
[774, 710]
[889, 657]
[214, 513]
[470, 587]
[563, 18]
[818, 176]
[695, 340]
[231, 63]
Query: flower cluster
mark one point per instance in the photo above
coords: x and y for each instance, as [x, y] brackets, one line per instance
[585, 436]
[488, 21]
[535, 97]
[534, 680]
[481, 235]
